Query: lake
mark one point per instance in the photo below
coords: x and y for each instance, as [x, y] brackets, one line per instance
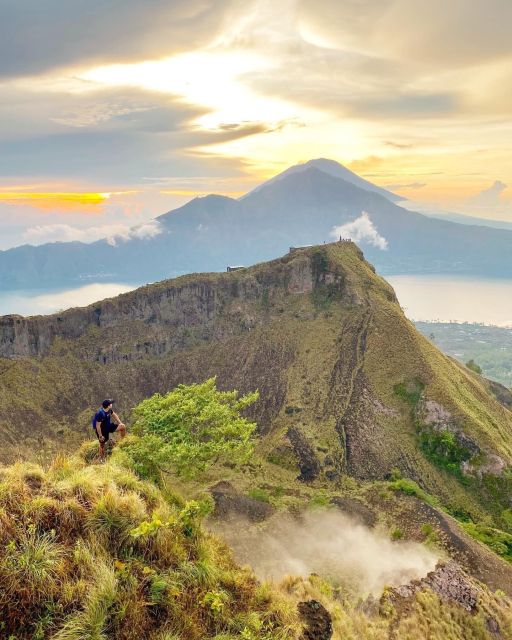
[435, 298]
[40, 302]
[447, 298]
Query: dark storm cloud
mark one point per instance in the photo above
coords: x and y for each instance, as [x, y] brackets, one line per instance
[37, 35]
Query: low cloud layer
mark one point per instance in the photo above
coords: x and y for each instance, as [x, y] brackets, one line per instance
[361, 230]
[114, 233]
[332, 545]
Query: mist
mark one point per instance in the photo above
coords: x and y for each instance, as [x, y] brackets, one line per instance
[329, 544]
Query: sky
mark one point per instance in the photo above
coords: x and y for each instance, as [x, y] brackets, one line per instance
[115, 111]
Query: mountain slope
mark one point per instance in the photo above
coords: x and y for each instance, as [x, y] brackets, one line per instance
[349, 389]
[72, 566]
[301, 208]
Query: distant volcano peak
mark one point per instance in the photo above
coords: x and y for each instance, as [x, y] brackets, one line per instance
[334, 169]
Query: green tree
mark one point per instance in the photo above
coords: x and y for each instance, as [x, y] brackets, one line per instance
[471, 364]
[189, 429]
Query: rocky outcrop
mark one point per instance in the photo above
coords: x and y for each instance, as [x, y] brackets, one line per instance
[449, 582]
[501, 393]
[434, 418]
[317, 621]
[169, 309]
[308, 462]
[229, 503]
[431, 415]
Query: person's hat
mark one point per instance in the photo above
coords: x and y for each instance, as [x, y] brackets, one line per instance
[106, 403]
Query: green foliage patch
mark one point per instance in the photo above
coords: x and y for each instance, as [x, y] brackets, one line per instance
[189, 429]
[499, 541]
[410, 392]
[411, 488]
[443, 449]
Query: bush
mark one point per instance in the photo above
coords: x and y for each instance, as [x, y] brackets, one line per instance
[471, 364]
[442, 448]
[189, 429]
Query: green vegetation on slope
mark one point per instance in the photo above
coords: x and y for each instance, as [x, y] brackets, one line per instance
[97, 552]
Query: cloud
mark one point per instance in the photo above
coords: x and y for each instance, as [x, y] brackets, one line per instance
[398, 145]
[36, 36]
[361, 230]
[114, 233]
[410, 185]
[490, 196]
[436, 33]
[143, 231]
[351, 84]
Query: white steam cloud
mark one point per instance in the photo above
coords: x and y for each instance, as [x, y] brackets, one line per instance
[361, 230]
[141, 232]
[332, 545]
[114, 233]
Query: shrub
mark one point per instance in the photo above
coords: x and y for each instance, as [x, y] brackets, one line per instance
[189, 429]
[471, 364]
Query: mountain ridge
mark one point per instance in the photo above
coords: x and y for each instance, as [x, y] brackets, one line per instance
[212, 232]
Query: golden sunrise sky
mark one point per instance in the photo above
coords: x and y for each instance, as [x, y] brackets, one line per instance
[113, 112]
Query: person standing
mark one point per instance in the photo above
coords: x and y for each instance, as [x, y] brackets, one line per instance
[105, 422]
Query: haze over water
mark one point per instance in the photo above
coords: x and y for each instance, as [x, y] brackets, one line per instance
[447, 298]
[37, 302]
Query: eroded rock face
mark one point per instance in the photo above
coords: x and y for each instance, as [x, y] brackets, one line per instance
[231, 504]
[450, 583]
[168, 308]
[308, 462]
[317, 621]
[432, 415]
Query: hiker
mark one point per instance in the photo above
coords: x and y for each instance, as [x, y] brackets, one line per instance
[104, 423]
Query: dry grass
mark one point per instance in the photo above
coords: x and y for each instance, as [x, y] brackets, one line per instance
[70, 568]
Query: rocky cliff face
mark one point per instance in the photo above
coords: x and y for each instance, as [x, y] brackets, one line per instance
[170, 308]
